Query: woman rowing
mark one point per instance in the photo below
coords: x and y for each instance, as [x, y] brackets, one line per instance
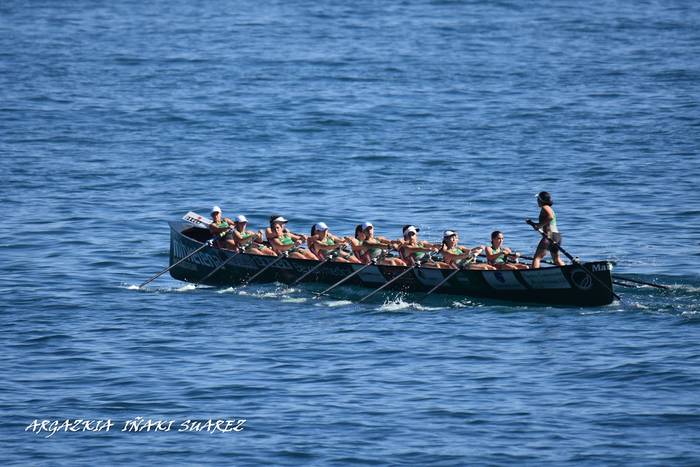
[326, 245]
[548, 223]
[247, 240]
[220, 229]
[413, 252]
[497, 255]
[369, 248]
[281, 240]
[460, 256]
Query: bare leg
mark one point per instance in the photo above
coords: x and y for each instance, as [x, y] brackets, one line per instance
[539, 254]
[557, 260]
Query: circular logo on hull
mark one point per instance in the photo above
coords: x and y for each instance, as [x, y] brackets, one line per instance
[582, 279]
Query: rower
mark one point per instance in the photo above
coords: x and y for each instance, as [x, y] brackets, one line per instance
[412, 251]
[548, 223]
[220, 229]
[497, 255]
[247, 240]
[458, 256]
[282, 240]
[369, 248]
[324, 244]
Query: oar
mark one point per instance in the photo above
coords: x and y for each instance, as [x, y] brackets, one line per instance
[575, 261]
[315, 268]
[636, 281]
[371, 294]
[441, 283]
[223, 263]
[283, 255]
[206, 244]
[346, 278]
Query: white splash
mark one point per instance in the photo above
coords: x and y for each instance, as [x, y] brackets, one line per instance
[399, 304]
[294, 300]
[334, 303]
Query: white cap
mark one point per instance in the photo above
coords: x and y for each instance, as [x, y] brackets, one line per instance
[448, 233]
[411, 228]
[366, 225]
[321, 226]
[279, 219]
[241, 219]
[215, 209]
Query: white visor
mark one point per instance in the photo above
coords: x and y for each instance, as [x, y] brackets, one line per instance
[321, 226]
[241, 219]
[215, 209]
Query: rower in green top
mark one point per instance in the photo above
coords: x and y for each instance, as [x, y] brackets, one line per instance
[412, 251]
[368, 247]
[548, 223]
[461, 256]
[220, 229]
[497, 255]
[281, 240]
[326, 245]
[249, 241]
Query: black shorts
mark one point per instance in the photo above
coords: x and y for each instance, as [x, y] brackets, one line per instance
[547, 244]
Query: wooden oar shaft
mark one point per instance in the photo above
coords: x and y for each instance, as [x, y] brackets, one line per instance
[636, 281]
[344, 279]
[441, 283]
[310, 271]
[170, 267]
[223, 263]
[257, 274]
[388, 283]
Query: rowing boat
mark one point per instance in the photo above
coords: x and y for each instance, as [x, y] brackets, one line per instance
[567, 285]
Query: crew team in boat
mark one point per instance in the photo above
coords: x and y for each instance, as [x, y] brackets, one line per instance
[365, 247]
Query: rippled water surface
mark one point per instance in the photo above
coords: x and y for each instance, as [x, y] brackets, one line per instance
[117, 117]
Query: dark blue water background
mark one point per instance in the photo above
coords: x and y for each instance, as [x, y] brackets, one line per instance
[118, 116]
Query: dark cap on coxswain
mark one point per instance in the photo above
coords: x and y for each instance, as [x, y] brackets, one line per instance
[545, 198]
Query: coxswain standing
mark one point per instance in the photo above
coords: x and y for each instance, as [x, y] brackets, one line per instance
[548, 223]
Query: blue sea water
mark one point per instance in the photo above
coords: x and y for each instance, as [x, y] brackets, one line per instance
[116, 117]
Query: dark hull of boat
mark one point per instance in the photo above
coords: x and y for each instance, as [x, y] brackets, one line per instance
[568, 285]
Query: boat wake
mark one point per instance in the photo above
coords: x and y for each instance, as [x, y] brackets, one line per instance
[402, 303]
[182, 288]
[334, 303]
